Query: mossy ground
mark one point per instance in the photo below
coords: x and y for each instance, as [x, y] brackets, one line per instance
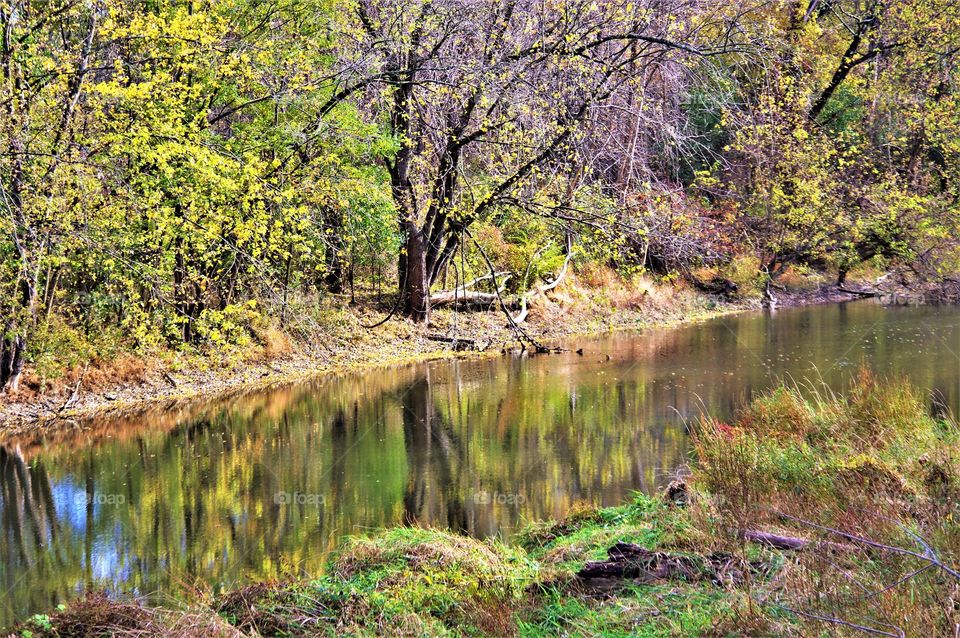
[873, 464]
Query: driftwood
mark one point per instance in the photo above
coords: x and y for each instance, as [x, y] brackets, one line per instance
[794, 544]
[464, 297]
[866, 294]
[544, 288]
[518, 330]
[459, 343]
[639, 565]
[477, 300]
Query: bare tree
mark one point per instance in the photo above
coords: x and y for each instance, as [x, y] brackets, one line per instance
[487, 102]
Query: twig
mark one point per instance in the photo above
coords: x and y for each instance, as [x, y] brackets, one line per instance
[393, 310]
[73, 395]
[845, 623]
[926, 556]
[898, 582]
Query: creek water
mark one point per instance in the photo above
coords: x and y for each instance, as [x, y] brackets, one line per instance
[268, 484]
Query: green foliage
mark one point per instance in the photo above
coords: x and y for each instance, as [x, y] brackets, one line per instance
[162, 164]
[163, 192]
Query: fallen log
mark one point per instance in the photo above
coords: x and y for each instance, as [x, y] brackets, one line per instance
[459, 343]
[487, 277]
[462, 297]
[794, 544]
[775, 540]
[866, 294]
[639, 565]
[628, 560]
[478, 300]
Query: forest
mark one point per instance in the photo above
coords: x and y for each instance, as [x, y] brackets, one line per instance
[188, 174]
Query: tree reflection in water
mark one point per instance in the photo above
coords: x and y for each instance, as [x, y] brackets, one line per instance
[268, 484]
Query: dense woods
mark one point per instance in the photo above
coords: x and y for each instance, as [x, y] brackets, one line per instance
[175, 173]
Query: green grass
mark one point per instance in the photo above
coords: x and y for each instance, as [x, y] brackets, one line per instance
[872, 463]
[645, 611]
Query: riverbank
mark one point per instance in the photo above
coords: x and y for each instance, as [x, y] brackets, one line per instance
[806, 513]
[134, 382]
[131, 384]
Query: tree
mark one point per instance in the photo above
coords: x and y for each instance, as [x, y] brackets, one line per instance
[45, 55]
[829, 131]
[486, 101]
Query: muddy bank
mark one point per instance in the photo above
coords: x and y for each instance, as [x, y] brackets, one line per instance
[886, 290]
[344, 345]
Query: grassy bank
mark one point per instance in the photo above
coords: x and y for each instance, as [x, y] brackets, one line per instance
[867, 483]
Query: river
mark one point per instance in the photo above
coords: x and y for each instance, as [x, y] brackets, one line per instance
[266, 485]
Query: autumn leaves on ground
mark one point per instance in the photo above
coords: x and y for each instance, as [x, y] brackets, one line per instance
[809, 514]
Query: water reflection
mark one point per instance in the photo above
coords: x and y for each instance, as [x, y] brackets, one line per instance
[268, 484]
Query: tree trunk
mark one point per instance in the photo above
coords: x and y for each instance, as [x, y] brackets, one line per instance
[13, 345]
[415, 287]
[333, 255]
[13, 342]
[11, 356]
[333, 277]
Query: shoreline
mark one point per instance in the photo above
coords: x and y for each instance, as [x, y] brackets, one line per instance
[395, 344]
